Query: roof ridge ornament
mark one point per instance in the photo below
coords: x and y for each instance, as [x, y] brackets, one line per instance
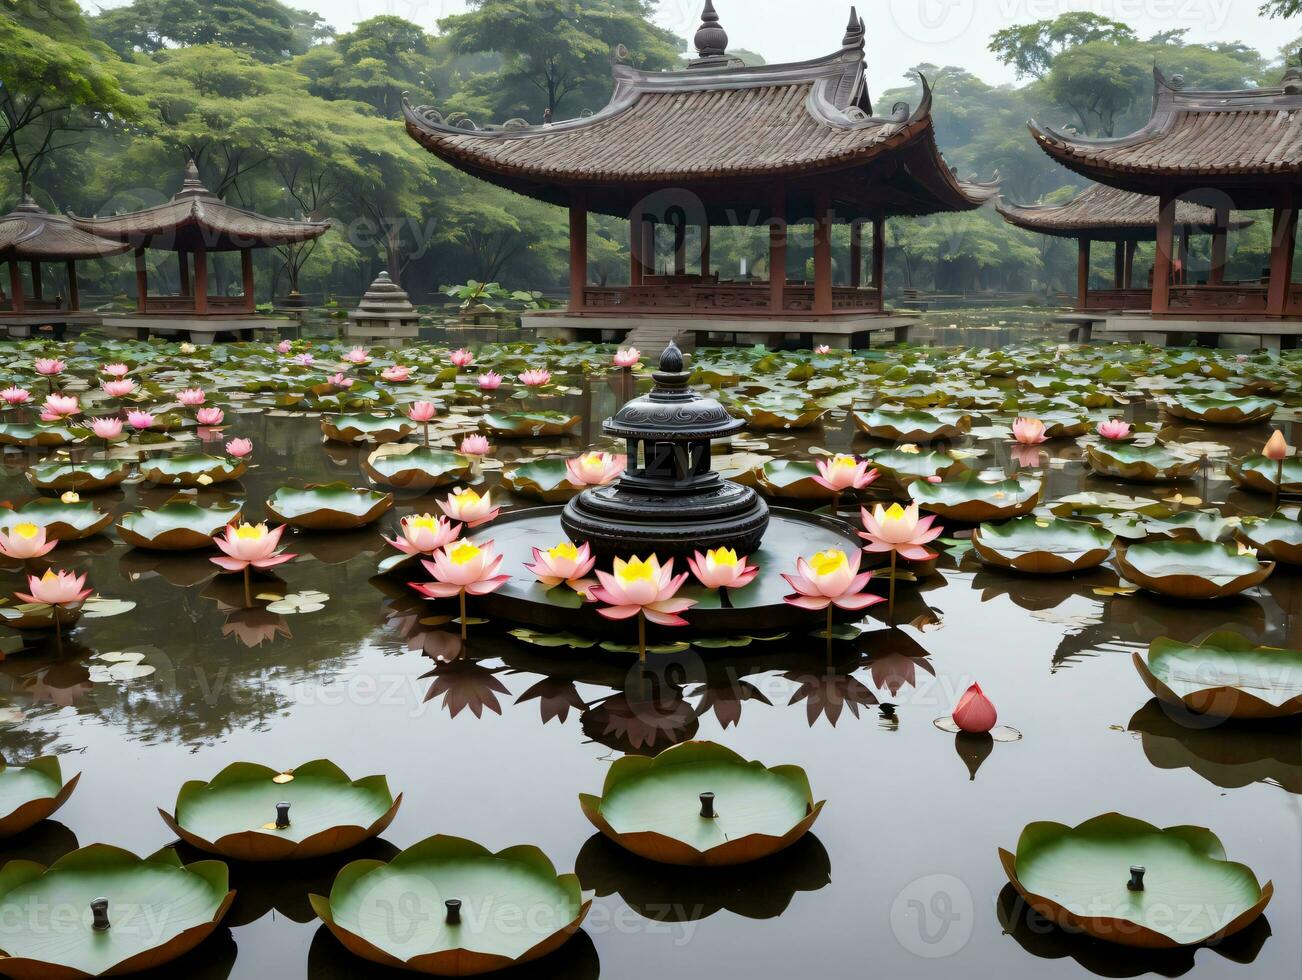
[27, 204]
[1292, 81]
[855, 31]
[711, 41]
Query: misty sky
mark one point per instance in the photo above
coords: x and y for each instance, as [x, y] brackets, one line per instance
[901, 33]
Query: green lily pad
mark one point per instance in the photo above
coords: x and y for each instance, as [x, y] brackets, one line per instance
[778, 415]
[1191, 569]
[1226, 676]
[1190, 525]
[1038, 547]
[331, 507]
[970, 499]
[89, 476]
[547, 480]
[1261, 474]
[1142, 464]
[539, 639]
[1078, 877]
[791, 479]
[235, 813]
[516, 908]
[525, 425]
[179, 525]
[61, 521]
[1276, 539]
[37, 434]
[1222, 409]
[1096, 504]
[366, 428]
[31, 793]
[158, 910]
[906, 467]
[409, 467]
[191, 470]
[904, 425]
[654, 807]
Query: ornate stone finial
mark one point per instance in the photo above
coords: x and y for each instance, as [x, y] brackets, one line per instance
[671, 361]
[1292, 82]
[711, 39]
[191, 172]
[854, 31]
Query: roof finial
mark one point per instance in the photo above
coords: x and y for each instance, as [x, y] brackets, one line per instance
[27, 193]
[854, 31]
[711, 39]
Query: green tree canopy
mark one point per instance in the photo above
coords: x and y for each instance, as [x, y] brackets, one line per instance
[266, 29]
[375, 63]
[1031, 48]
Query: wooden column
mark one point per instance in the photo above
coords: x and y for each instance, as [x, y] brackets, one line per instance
[705, 251]
[879, 261]
[201, 280]
[1129, 278]
[183, 260]
[246, 271]
[578, 252]
[142, 282]
[1282, 239]
[823, 254]
[680, 248]
[1119, 266]
[648, 248]
[38, 287]
[16, 287]
[1220, 237]
[74, 292]
[1083, 273]
[634, 248]
[856, 253]
[778, 251]
[1165, 248]
[1184, 254]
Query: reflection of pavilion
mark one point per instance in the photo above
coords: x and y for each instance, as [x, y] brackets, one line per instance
[717, 145]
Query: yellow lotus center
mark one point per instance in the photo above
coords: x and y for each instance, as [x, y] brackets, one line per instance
[425, 522]
[49, 576]
[849, 462]
[251, 532]
[636, 571]
[26, 530]
[71, 498]
[564, 550]
[463, 553]
[467, 497]
[723, 556]
[895, 513]
[827, 562]
[592, 459]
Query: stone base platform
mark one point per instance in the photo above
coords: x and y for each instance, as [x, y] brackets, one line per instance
[19, 326]
[1274, 334]
[196, 329]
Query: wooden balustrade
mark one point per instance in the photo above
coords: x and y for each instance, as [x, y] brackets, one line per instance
[727, 298]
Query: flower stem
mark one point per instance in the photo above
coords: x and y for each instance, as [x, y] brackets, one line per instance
[426, 435]
[890, 605]
[1279, 481]
[641, 637]
[248, 592]
[829, 630]
[463, 614]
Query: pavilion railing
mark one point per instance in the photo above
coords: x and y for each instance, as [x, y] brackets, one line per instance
[1230, 298]
[729, 298]
[217, 305]
[1119, 299]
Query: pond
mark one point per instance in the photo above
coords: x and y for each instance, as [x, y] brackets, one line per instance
[493, 738]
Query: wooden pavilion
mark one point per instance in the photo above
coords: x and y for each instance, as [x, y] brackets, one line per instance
[193, 224]
[32, 236]
[722, 144]
[1231, 150]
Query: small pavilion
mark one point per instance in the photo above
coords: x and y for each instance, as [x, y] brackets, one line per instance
[32, 236]
[723, 144]
[194, 224]
[1227, 151]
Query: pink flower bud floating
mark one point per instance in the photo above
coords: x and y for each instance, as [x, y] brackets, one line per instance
[1276, 448]
[49, 366]
[55, 589]
[284, 347]
[422, 411]
[830, 578]
[192, 397]
[475, 446]
[118, 388]
[239, 448]
[844, 473]
[13, 395]
[975, 713]
[396, 372]
[59, 407]
[535, 377]
[490, 381]
[469, 507]
[627, 357]
[462, 358]
[564, 563]
[1115, 429]
[720, 568]
[252, 545]
[340, 380]
[647, 587]
[1029, 432]
[463, 567]
[115, 370]
[595, 469]
[424, 534]
[106, 428]
[210, 416]
[140, 421]
[24, 541]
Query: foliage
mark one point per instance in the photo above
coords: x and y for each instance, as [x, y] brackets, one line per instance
[265, 29]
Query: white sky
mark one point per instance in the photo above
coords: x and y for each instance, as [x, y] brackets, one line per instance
[901, 33]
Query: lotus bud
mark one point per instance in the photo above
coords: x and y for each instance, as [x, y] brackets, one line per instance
[975, 713]
[707, 806]
[1276, 448]
[99, 909]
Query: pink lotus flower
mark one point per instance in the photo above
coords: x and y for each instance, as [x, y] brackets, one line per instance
[422, 411]
[490, 381]
[55, 589]
[975, 712]
[284, 347]
[1115, 429]
[119, 388]
[140, 421]
[469, 507]
[424, 534]
[13, 395]
[627, 357]
[830, 578]
[115, 370]
[535, 377]
[250, 545]
[49, 366]
[843, 473]
[358, 355]
[899, 530]
[475, 446]
[720, 568]
[305, 359]
[464, 567]
[595, 469]
[1029, 432]
[340, 380]
[462, 358]
[24, 541]
[1277, 449]
[106, 428]
[823, 349]
[642, 587]
[210, 416]
[239, 448]
[397, 372]
[564, 563]
[59, 407]
[192, 397]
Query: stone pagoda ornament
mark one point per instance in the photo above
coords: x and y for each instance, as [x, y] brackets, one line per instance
[385, 313]
[669, 501]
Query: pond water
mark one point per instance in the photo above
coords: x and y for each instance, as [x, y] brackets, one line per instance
[494, 739]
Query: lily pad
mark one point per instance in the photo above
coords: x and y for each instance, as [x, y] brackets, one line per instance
[778, 415]
[1038, 547]
[1221, 409]
[89, 476]
[1260, 474]
[366, 428]
[31, 793]
[1226, 676]
[969, 499]
[61, 521]
[904, 425]
[906, 466]
[791, 479]
[1190, 525]
[409, 467]
[1277, 538]
[235, 814]
[526, 425]
[521, 908]
[1191, 569]
[178, 525]
[158, 910]
[1142, 464]
[547, 480]
[191, 470]
[1079, 878]
[661, 809]
[329, 507]
[37, 434]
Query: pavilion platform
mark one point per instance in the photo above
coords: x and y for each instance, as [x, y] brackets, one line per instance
[1273, 334]
[21, 326]
[195, 329]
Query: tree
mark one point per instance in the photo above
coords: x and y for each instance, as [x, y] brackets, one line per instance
[375, 64]
[266, 29]
[1281, 8]
[1098, 81]
[1031, 48]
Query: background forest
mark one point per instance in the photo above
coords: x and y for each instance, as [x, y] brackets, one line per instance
[100, 112]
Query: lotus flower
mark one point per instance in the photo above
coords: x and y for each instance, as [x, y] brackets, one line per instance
[823, 349]
[118, 388]
[340, 380]
[58, 407]
[720, 568]
[463, 567]
[55, 589]
[24, 541]
[396, 372]
[1277, 449]
[490, 381]
[106, 428]
[358, 355]
[425, 534]
[975, 713]
[899, 530]
[422, 411]
[49, 366]
[115, 370]
[13, 395]
[210, 416]
[469, 507]
[627, 357]
[535, 377]
[1029, 432]
[250, 545]
[564, 563]
[239, 448]
[1115, 429]
[187, 348]
[475, 446]
[284, 347]
[595, 469]
[844, 473]
[830, 578]
[644, 587]
[192, 397]
[462, 358]
[305, 359]
[140, 421]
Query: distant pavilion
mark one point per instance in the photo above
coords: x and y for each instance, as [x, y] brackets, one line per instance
[194, 223]
[720, 144]
[32, 236]
[1232, 150]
